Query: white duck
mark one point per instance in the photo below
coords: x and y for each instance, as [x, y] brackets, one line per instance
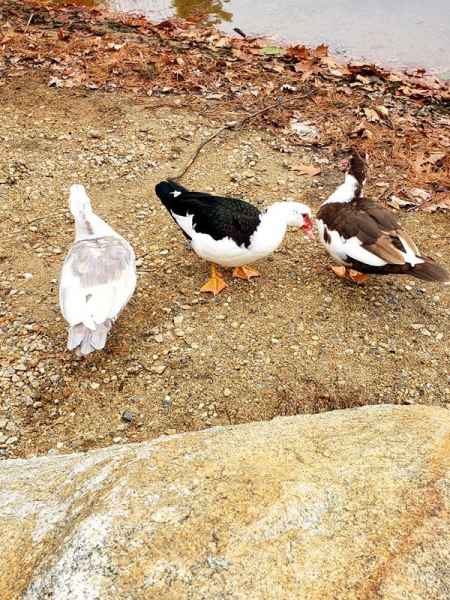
[98, 277]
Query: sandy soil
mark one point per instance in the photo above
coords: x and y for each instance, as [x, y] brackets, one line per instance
[296, 340]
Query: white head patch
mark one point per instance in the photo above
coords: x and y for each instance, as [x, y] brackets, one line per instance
[175, 193]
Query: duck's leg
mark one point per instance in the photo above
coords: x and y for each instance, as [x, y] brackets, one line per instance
[340, 271]
[215, 283]
[357, 276]
[345, 273]
[245, 273]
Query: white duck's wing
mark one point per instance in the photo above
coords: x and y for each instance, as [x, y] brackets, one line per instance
[97, 280]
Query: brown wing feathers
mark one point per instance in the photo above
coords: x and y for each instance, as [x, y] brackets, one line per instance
[385, 249]
[374, 226]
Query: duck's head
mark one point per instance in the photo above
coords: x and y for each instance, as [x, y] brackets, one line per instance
[299, 215]
[357, 166]
[79, 202]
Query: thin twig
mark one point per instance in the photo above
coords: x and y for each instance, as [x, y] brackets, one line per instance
[270, 107]
[237, 126]
[52, 216]
[29, 22]
[197, 152]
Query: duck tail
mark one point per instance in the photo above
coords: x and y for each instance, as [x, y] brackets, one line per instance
[84, 340]
[430, 271]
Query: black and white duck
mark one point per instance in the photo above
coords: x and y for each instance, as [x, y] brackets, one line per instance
[364, 237]
[228, 231]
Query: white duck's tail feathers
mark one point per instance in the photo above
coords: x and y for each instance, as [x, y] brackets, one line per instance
[84, 340]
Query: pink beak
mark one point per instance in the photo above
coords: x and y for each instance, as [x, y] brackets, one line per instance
[307, 227]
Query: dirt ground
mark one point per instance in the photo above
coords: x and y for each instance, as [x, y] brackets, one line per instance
[295, 340]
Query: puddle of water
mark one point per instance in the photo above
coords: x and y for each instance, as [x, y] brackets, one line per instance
[399, 33]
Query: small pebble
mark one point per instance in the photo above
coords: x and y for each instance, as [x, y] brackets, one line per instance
[94, 134]
[127, 416]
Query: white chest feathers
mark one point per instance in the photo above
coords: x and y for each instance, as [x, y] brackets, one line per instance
[225, 251]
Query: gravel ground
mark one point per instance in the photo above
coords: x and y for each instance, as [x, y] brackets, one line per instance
[295, 340]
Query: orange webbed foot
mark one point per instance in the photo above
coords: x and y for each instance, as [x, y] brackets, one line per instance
[357, 277]
[351, 274]
[340, 271]
[215, 283]
[245, 273]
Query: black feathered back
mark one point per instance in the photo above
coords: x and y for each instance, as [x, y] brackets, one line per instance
[217, 216]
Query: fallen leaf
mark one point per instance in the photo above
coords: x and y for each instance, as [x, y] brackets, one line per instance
[441, 203]
[273, 50]
[55, 82]
[382, 110]
[304, 67]
[309, 170]
[361, 131]
[437, 159]
[305, 130]
[321, 51]
[299, 52]
[115, 46]
[419, 195]
[358, 68]
[62, 35]
[397, 203]
[371, 115]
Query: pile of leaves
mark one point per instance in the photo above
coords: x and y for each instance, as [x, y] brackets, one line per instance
[400, 119]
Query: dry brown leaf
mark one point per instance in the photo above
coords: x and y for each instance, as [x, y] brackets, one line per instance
[321, 51]
[310, 170]
[441, 203]
[418, 195]
[382, 110]
[299, 52]
[437, 159]
[397, 203]
[361, 131]
[371, 115]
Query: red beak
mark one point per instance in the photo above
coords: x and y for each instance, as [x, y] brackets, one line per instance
[307, 227]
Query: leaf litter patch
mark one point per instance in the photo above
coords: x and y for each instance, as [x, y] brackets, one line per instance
[402, 120]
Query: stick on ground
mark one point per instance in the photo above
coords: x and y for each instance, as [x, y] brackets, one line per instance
[237, 126]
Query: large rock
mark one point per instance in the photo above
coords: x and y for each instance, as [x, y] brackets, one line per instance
[345, 505]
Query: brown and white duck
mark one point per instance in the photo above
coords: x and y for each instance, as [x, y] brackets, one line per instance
[364, 237]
